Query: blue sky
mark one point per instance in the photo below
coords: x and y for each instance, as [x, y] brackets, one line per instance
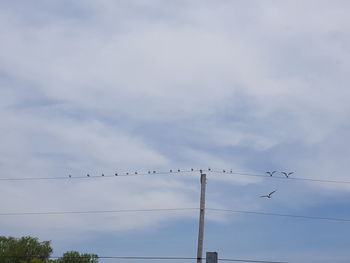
[105, 86]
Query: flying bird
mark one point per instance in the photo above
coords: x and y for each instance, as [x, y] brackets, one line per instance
[269, 195]
[271, 173]
[287, 174]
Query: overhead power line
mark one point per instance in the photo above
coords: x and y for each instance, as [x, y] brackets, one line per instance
[228, 172]
[279, 215]
[97, 211]
[173, 172]
[101, 176]
[174, 210]
[249, 260]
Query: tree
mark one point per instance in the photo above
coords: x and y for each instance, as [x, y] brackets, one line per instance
[24, 250]
[76, 257]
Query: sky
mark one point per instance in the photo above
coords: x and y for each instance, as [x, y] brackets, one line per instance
[92, 87]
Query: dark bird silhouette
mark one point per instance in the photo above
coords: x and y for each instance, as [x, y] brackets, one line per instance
[127, 173]
[88, 175]
[178, 170]
[192, 169]
[209, 169]
[154, 172]
[223, 171]
[70, 176]
[171, 170]
[135, 172]
[287, 174]
[271, 173]
[116, 174]
[103, 175]
[269, 195]
[149, 172]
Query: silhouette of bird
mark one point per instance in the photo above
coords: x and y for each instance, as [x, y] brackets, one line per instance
[223, 171]
[116, 174]
[135, 172]
[171, 170]
[269, 195]
[178, 170]
[103, 175]
[271, 173]
[149, 172]
[88, 175]
[127, 173]
[70, 176]
[154, 172]
[287, 174]
[192, 169]
[209, 169]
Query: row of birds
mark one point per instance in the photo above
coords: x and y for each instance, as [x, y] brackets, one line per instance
[270, 173]
[286, 174]
[149, 172]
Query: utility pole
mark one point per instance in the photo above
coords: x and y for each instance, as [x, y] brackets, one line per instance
[201, 218]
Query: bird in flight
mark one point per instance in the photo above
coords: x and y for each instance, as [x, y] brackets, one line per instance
[269, 195]
[271, 173]
[287, 174]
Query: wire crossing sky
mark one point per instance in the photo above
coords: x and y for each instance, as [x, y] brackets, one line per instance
[177, 171]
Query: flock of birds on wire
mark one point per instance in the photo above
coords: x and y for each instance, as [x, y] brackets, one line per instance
[270, 173]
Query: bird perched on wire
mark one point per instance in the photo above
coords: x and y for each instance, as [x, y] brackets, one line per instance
[269, 195]
[271, 173]
[287, 174]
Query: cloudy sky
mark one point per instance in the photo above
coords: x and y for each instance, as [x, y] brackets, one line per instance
[111, 86]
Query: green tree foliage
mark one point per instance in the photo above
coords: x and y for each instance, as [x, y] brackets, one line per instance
[76, 257]
[24, 250]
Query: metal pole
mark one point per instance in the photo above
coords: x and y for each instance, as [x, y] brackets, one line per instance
[201, 218]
